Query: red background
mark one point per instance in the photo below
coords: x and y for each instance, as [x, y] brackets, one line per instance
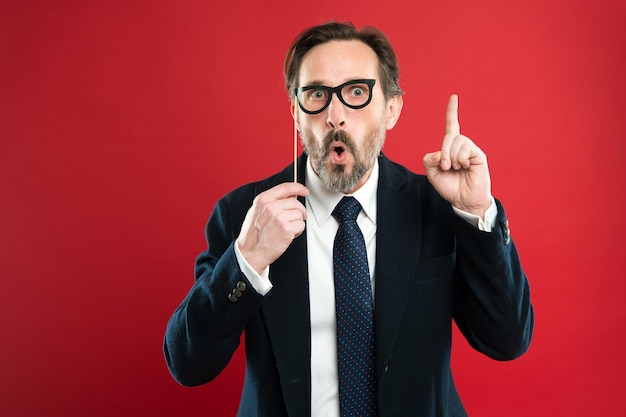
[121, 123]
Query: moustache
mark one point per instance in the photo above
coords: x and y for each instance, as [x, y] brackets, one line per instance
[339, 136]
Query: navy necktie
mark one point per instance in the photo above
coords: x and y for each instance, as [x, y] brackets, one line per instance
[355, 315]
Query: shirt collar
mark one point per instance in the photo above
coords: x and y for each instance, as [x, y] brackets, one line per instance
[322, 201]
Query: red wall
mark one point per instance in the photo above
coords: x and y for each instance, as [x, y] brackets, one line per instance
[121, 123]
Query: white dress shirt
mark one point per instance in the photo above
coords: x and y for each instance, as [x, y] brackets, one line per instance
[321, 228]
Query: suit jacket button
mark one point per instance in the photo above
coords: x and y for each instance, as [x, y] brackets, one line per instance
[232, 298]
[507, 232]
[241, 286]
[237, 293]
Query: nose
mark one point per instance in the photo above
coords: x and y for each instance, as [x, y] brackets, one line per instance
[336, 113]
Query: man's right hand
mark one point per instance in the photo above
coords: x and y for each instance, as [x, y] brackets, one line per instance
[275, 219]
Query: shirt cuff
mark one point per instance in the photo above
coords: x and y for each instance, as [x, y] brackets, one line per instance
[485, 225]
[260, 283]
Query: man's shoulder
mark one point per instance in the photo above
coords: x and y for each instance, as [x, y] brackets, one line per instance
[396, 180]
[396, 174]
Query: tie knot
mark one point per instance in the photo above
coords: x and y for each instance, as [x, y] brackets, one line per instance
[347, 209]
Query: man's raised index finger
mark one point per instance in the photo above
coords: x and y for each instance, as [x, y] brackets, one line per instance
[452, 116]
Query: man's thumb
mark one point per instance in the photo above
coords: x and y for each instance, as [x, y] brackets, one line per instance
[431, 162]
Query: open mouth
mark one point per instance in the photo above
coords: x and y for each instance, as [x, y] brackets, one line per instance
[339, 153]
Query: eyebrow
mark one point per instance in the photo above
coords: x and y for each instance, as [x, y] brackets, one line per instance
[321, 83]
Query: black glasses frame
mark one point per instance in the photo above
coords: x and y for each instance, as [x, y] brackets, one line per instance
[337, 90]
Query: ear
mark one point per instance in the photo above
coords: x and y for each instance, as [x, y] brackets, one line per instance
[394, 108]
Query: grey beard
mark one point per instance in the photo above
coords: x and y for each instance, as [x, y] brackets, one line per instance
[337, 179]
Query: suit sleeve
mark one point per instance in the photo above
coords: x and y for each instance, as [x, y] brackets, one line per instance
[205, 330]
[492, 298]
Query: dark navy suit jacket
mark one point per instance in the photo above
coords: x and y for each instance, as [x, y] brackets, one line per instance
[431, 267]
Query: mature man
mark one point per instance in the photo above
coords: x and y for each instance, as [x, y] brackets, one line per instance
[346, 293]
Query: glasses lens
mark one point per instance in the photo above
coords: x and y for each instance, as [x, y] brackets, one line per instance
[313, 99]
[355, 94]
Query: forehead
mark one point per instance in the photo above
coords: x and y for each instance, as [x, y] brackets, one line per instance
[337, 61]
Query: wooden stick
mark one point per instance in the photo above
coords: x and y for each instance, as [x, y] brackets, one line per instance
[295, 145]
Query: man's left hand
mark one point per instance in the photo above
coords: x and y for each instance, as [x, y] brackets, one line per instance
[459, 171]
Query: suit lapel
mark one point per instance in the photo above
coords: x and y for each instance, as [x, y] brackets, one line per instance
[290, 333]
[398, 243]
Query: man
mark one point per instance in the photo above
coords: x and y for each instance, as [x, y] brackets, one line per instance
[437, 248]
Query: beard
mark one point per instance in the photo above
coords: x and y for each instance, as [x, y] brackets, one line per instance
[342, 178]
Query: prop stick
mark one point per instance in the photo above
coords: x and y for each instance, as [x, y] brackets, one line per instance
[295, 145]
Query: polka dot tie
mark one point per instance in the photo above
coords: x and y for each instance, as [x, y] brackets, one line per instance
[355, 315]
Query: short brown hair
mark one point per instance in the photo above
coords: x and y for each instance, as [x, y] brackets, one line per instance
[388, 69]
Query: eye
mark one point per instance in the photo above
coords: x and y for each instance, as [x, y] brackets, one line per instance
[317, 94]
[358, 91]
